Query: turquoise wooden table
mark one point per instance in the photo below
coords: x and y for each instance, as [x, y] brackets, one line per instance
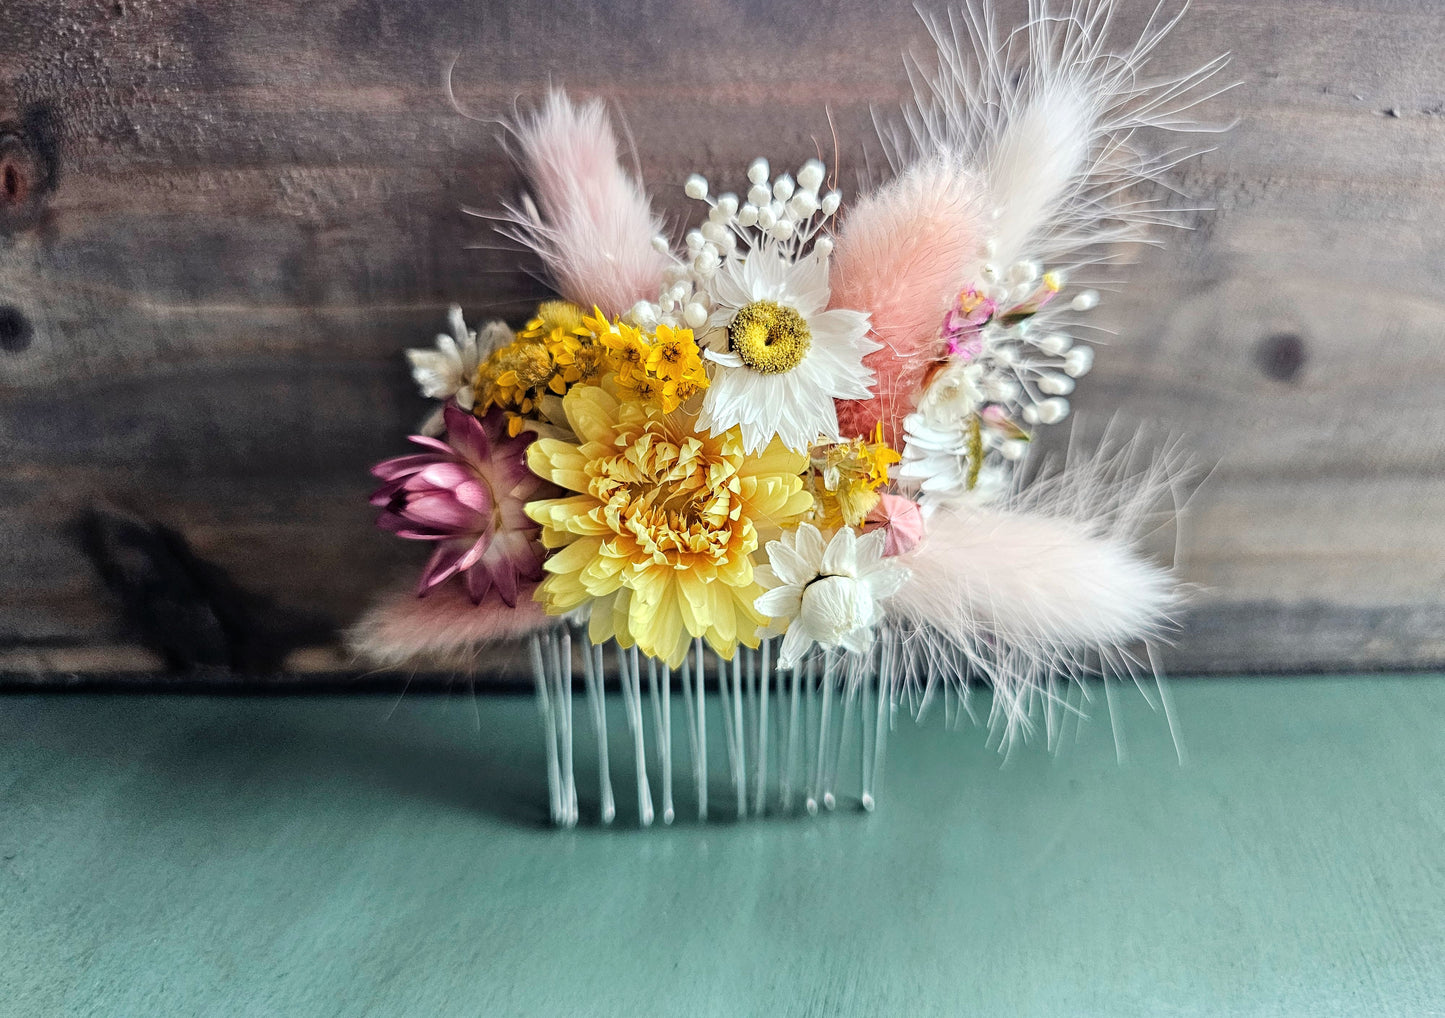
[364, 856]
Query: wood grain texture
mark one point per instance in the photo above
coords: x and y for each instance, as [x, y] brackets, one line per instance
[220, 224]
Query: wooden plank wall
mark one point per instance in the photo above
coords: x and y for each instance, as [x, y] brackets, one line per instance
[220, 223]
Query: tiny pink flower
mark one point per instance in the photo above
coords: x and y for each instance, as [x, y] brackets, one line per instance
[467, 493]
[994, 416]
[901, 521]
[963, 324]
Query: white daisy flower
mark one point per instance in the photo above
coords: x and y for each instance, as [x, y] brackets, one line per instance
[945, 443]
[938, 465]
[829, 594]
[781, 356]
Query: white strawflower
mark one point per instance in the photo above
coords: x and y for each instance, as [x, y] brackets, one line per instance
[936, 460]
[447, 372]
[829, 594]
[938, 465]
[954, 394]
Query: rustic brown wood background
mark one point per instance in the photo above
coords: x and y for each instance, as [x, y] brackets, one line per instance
[220, 223]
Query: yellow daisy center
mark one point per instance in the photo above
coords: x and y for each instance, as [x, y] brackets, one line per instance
[769, 337]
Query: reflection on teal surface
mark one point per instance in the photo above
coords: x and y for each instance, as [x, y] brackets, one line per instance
[354, 856]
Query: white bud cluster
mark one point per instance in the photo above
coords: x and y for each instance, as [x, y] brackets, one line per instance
[1031, 369]
[784, 208]
[1023, 371]
[787, 210]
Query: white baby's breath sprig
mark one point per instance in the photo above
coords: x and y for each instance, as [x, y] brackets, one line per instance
[1030, 362]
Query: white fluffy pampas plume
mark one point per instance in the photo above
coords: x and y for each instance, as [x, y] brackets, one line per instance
[591, 224]
[1048, 114]
[1048, 585]
[1027, 578]
[1017, 147]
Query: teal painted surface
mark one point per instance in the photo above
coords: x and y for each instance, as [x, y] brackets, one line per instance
[362, 857]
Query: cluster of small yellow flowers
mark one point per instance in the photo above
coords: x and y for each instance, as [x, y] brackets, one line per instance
[559, 326]
[663, 369]
[554, 352]
[851, 474]
[565, 346]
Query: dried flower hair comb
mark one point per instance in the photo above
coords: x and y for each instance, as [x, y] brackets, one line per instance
[787, 454]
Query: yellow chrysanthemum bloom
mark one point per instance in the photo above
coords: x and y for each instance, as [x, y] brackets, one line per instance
[660, 525]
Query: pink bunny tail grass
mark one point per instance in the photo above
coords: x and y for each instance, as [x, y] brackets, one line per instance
[443, 628]
[591, 224]
[902, 255]
[1025, 577]
[1047, 587]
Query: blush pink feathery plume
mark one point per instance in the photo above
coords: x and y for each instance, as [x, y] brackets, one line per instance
[444, 627]
[590, 223]
[1049, 583]
[902, 254]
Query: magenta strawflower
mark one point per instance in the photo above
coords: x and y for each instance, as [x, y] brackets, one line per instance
[467, 492]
